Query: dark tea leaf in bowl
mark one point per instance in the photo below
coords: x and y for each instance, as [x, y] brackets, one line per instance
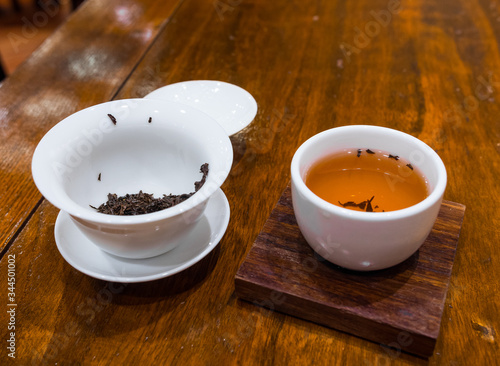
[143, 203]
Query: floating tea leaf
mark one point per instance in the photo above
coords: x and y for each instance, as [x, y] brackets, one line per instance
[369, 207]
[361, 205]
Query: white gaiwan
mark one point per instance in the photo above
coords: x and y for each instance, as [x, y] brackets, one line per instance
[155, 146]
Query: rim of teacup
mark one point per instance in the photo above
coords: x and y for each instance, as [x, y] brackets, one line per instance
[65, 203]
[435, 195]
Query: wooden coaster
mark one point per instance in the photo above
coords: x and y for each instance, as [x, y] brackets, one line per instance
[400, 307]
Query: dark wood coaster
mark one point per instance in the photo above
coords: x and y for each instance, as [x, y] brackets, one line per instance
[400, 307]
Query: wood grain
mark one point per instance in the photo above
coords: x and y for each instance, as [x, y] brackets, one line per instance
[83, 63]
[430, 71]
[400, 307]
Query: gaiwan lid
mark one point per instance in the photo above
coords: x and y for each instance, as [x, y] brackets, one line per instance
[231, 106]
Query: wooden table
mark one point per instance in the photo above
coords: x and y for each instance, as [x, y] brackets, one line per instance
[431, 69]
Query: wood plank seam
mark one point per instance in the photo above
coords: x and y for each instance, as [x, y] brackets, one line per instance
[8, 242]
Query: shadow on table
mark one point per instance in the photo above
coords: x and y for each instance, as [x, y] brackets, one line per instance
[178, 283]
[105, 308]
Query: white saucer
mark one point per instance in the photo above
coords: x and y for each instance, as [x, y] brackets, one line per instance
[86, 257]
[231, 106]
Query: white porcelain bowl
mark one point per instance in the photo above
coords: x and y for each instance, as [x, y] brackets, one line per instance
[366, 240]
[163, 156]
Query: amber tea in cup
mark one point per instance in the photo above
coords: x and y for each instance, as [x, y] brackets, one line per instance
[367, 180]
[366, 241]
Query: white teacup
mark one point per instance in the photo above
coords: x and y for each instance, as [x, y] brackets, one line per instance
[357, 240]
